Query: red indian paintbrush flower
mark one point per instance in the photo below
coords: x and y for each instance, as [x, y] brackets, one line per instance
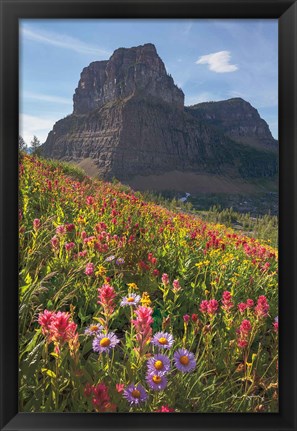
[176, 285]
[61, 328]
[275, 326]
[227, 303]
[249, 303]
[165, 409]
[60, 230]
[58, 328]
[213, 306]
[243, 333]
[210, 307]
[44, 320]
[245, 327]
[194, 317]
[36, 223]
[165, 279]
[55, 242]
[70, 227]
[89, 269]
[69, 246]
[242, 307]
[120, 387]
[204, 306]
[100, 397]
[106, 296]
[90, 200]
[142, 324]
[262, 307]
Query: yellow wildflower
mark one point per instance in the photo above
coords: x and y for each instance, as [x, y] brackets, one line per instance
[101, 271]
[80, 220]
[132, 286]
[204, 262]
[145, 300]
[214, 252]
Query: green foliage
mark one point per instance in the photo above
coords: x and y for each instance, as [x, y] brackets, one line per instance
[70, 224]
[69, 169]
[261, 227]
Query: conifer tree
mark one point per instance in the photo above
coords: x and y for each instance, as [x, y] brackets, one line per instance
[35, 146]
[22, 144]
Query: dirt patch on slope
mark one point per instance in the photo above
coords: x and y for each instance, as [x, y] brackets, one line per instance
[191, 183]
[88, 165]
[179, 181]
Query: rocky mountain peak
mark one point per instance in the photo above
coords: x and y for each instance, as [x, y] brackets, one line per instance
[136, 71]
[129, 121]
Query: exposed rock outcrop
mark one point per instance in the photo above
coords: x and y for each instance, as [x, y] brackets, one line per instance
[129, 118]
[238, 120]
[129, 72]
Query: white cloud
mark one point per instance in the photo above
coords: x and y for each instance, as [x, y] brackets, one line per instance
[46, 98]
[62, 41]
[31, 125]
[218, 62]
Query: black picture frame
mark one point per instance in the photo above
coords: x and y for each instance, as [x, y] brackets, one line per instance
[286, 12]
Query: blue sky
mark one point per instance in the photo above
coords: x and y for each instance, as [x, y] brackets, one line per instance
[208, 59]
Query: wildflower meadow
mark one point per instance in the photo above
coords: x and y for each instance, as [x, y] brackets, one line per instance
[126, 306]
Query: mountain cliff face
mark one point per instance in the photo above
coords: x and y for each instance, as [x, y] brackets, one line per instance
[129, 72]
[236, 119]
[129, 119]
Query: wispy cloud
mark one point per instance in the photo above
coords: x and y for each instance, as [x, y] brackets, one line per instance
[46, 98]
[32, 125]
[218, 62]
[188, 27]
[62, 41]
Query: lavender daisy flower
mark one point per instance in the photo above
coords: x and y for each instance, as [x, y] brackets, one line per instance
[135, 394]
[105, 342]
[184, 360]
[156, 381]
[276, 319]
[158, 364]
[110, 258]
[132, 299]
[93, 329]
[163, 339]
[120, 261]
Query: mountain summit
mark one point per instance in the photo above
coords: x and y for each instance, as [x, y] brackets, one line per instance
[137, 71]
[129, 122]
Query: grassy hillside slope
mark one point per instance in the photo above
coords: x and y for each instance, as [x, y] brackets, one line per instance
[103, 272]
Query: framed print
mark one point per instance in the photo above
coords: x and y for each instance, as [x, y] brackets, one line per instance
[148, 215]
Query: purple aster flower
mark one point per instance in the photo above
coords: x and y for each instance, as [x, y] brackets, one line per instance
[156, 381]
[184, 360]
[158, 364]
[110, 258]
[120, 261]
[131, 299]
[276, 319]
[163, 339]
[135, 394]
[94, 329]
[105, 342]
